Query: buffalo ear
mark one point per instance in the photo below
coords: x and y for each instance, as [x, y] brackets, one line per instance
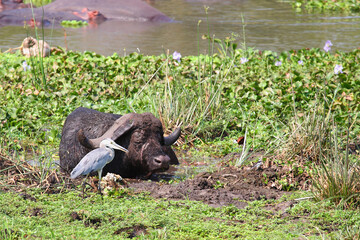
[119, 127]
[171, 139]
[121, 130]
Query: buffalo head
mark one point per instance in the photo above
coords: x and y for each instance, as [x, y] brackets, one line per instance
[149, 150]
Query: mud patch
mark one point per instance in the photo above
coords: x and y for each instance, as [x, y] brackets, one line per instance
[88, 222]
[26, 196]
[75, 216]
[36, 212]
[133, 231]
[92, 222]
[226, 186]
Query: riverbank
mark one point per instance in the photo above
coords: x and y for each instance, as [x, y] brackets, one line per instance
[298, 111]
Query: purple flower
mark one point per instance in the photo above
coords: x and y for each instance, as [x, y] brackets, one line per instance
[327, 46]
[25, 66]
[338, 69]
[243, 60]
[176, 56]
[300, 62]
[278, 63]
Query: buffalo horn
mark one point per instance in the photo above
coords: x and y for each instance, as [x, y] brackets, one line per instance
[120, 126]
[171, 139]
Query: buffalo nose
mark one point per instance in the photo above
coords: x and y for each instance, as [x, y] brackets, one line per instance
[162, 161]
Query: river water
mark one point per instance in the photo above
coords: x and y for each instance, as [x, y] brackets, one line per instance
[262, 24]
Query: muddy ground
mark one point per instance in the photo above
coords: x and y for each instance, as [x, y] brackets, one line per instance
[228, 185]
[224, 186]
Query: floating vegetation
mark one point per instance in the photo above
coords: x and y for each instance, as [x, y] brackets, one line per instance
[74, 23]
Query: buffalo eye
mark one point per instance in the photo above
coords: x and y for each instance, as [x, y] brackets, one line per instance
[137, 135]
[161, 138]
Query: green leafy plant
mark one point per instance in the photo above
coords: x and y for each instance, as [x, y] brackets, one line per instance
[218, 185]
[38, 3]
[336, 5]
[73, 23]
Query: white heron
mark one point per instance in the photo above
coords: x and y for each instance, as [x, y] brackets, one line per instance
[96, 160]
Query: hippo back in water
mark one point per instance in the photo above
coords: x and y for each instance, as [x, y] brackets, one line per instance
[60, 10]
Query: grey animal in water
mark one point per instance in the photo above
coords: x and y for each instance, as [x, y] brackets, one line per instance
[96, 160]
[54, 13]
[149, 151]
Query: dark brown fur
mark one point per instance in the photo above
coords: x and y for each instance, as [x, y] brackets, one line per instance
[144, 140]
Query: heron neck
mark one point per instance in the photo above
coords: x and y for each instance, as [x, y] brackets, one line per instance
[111, 153]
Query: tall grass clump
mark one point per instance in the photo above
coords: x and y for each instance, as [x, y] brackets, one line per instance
[337, 176]
[190, 102]
[315, 142]
[305, 140]
[38, 69]
[190, 94]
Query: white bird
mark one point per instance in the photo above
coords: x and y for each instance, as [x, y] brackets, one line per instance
[96, 160]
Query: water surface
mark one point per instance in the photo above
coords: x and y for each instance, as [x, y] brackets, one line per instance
[262, 24]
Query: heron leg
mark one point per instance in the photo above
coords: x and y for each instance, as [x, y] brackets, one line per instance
[83, 186]
[99, 184]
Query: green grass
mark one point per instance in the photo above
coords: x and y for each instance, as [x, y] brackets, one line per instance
[50, 217]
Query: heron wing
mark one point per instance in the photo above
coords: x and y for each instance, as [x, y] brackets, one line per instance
[91, 162]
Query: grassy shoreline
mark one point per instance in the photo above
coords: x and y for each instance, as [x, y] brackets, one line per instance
[216, 99]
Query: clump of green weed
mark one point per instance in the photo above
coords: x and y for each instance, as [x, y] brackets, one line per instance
[324, 5]
[38, 3]
[303, 143]
[73, 23]
[314, 144]
[337, 176]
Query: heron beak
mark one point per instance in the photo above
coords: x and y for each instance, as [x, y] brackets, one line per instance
[118, 147]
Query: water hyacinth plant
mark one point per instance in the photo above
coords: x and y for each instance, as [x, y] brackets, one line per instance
[324, 5]
[108, 82]
[25, 66]
[338, 69]
[327, 46]
[243, 60]
[74, 23]
[177, 56]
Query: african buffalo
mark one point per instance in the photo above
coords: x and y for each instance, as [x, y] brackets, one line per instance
[142, 134]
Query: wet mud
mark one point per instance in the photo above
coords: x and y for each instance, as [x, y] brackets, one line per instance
[228, 185]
